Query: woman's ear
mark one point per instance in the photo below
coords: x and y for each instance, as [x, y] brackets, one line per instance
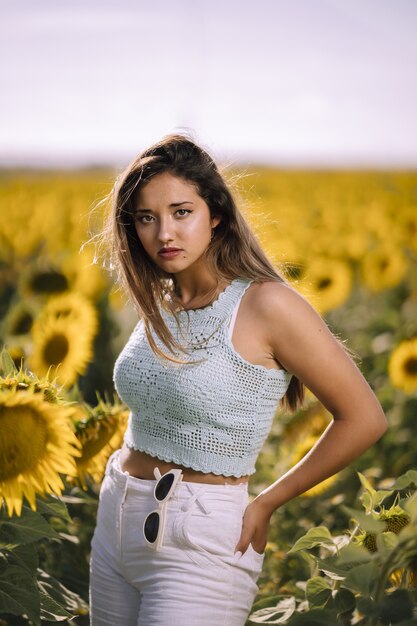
[215, 221]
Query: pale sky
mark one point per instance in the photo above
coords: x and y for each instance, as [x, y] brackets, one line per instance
[287, 82]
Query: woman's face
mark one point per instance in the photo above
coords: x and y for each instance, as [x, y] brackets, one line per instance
[169, 213]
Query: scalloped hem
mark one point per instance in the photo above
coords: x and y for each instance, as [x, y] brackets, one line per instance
[175, 459]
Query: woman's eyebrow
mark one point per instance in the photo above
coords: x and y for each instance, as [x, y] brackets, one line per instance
[172, 205]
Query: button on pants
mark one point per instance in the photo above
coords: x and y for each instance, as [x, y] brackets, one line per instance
[193, 578]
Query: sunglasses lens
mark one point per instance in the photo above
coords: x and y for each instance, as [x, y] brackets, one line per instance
[151, 526]
[163, 486]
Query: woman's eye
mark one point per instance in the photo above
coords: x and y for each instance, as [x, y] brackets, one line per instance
[146, 219]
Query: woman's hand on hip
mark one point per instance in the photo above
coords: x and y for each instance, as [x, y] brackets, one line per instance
[255, 524]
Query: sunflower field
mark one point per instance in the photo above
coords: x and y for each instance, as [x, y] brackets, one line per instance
[344, 552]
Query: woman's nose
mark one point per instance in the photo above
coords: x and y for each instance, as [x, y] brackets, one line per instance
[166, 230]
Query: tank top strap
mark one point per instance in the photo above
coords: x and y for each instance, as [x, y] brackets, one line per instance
[229, 304]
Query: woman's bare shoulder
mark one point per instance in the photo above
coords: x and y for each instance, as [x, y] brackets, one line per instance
[277, 298]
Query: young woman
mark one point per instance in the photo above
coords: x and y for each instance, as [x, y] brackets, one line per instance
[222, 340]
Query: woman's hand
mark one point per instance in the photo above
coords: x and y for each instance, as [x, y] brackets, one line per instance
[255, 525]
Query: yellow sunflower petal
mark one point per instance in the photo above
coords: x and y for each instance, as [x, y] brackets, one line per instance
[402, 366]
[28, 425]
[59, 344]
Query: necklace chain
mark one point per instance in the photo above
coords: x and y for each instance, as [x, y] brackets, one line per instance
[213, 297]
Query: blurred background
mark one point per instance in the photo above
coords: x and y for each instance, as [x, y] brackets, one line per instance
[310, 109]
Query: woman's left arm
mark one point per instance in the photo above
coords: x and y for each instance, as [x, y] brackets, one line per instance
[301, 341]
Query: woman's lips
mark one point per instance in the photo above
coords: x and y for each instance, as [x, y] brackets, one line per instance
[169, 254]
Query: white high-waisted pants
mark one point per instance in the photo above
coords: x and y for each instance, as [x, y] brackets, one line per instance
[193, 579]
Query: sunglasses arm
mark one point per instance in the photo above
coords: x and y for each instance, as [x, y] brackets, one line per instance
[157, 473]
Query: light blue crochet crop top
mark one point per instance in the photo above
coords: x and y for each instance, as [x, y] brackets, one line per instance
[213, 416]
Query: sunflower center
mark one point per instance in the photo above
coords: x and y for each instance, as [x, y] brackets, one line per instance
[23, 438]
[410, 366]
[324, 283]
[56, 349]
[49, 282]
[383, 264]
[23, 324]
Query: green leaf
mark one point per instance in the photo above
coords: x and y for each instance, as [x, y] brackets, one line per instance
[19, 594]
[278, 614]
[411, 506]
[25, 556]
[396, 606]
[380, 496]
[367, 607]
[405, 480]
[313, 537]
[266, 602]
[330, 568]
[337, 566]
[56, 599]
[51, 610]
[344, 601]
[372, 498]
[8, 366]
[366, 522]
[362, 578]
[366, 484]
[367, 501]
[53, 506]
[318, 592]
[386, 541]
[3, 563]
[315, 617]
[27, 528]
[80, 500]
[353, 553]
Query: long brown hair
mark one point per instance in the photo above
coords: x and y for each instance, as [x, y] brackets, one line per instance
[233, 252]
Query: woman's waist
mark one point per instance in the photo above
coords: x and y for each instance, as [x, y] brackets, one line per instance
[141, 465]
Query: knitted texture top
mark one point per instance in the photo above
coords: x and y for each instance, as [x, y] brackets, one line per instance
[212, 416]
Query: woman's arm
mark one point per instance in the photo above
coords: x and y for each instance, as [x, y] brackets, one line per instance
[303, 344]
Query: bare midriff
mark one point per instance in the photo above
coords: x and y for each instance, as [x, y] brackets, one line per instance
[141, 465]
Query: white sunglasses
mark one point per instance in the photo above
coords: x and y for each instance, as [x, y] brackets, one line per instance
[154, 524]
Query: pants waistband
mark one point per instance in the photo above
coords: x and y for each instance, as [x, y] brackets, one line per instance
[183, 488]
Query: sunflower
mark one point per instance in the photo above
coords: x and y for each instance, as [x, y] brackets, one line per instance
[37, 443]
[16, 380]
[43, 278]
[71, 306]
[395, 519]
[100, 431]
[85, 275]
[19, 208]
[383, 267]
[19, 319]
[327, 283]
[300, 451]
[408, 224]
[402, 366]
[355, 243]
[310, 421]
[63, 345]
